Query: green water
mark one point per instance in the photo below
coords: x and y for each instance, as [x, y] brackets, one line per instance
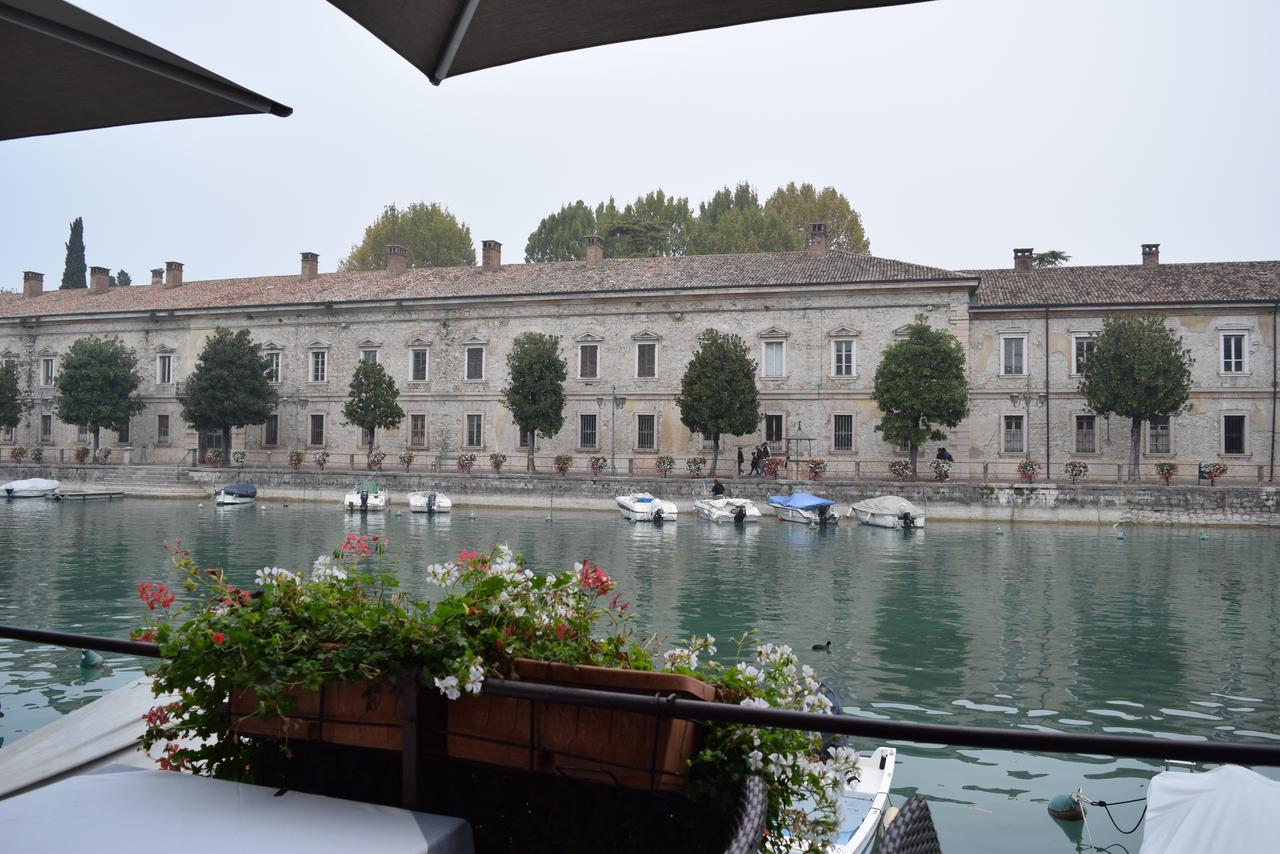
[1063, 628]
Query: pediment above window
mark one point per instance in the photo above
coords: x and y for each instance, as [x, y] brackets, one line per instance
[48, 351]
[774, 332]
[902, 331]
[843, 332]
[473, 340]
[418, 341]
[368, 343]
[8, 354]
[588, 338]
[165, 348]
[272, 347]
[319, 344]
[646, 335]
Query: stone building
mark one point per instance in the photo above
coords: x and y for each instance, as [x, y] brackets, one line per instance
[817, 320]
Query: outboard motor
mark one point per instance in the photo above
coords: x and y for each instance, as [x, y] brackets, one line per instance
[364, 499]
[657, 516]
[739, 515]
[431, 502]
[908, 521]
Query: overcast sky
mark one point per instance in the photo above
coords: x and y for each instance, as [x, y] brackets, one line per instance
[959, 129]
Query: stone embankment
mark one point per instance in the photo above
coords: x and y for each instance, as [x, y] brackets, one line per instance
[953, 500]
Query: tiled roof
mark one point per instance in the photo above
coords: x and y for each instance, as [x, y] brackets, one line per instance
[569, 277]
[1226, 281]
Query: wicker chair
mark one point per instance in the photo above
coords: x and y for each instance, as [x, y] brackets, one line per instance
[912, 831]
[748, 818]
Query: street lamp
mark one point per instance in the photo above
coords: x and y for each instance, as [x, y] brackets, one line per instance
[1024, 399]
[619, 401]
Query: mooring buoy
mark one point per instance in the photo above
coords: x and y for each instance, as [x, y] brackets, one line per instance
[1066, 808]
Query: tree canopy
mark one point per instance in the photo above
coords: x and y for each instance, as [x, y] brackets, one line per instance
[73, 271]
[10, 396]
[122, 279]
[96, 384]
[734, 221]
[560, 236]
[371, 400]
[431, 236]
[229, 386]
[1138, 369]
[718, 394]
[534, 393]
[1050, 258]
[920, 386]
[799, 206]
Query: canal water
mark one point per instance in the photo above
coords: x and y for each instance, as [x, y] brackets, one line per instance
[1043, 627]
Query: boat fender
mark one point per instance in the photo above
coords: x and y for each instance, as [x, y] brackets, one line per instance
[889, 815]
[999, 531]
[89, 658]
[471, 515]
[1066, 808]
[364, 499]
[1203, 535]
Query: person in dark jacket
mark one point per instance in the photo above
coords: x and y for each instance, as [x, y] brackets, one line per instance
[944, 454]
[740, 459]
[717, 489]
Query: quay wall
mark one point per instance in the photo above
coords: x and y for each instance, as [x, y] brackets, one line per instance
[955, 500]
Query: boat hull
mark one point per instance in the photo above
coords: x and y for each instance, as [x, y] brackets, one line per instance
[804, 517]
[863, 802]
[228, 499]
[726, 509]
[31, 488]
[888, 512]
[420, 502]
[642, 507]
[377, 501]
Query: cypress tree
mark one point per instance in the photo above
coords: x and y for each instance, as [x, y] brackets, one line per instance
[73, 274]
[123, 279]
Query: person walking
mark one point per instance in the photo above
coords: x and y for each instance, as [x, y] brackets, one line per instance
[740, 459]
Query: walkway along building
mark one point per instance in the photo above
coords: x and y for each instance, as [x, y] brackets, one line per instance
[818, 322]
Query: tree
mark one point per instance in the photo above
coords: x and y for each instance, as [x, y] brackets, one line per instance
[228, 387]
[534, 392]
[96, 384]
[718, 390]
[431, 236]
[920, 386]
[560, 236]
[800, 206]
[73, 272]
[653, 226]
[1138, 369]
[1049, 258]
[371, 401]
[10, 397]
[122, 279]
[734, 221]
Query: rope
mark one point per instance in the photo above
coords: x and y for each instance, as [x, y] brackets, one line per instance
[1106, 805]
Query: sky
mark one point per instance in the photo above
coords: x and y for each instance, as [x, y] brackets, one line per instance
[959, 129]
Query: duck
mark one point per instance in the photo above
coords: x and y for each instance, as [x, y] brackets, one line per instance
[822, 647]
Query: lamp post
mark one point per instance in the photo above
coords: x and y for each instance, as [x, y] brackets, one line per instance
[1024, 399]
[618, 401]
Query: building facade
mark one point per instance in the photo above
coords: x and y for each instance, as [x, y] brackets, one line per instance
[817, 322]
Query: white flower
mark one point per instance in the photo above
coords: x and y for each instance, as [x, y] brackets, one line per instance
[448, 686]
[754, 702]
[754, 760]
[475, 677]
[274, 575]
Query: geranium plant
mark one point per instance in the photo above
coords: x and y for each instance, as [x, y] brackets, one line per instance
[497, 461]
[238, 457]
[1167, 471]
[466, 462]
[374, 462]
[212, 457]
[37, 455]
[406, 458]
[1076, 469]
[941, 469]
[17, 454]
[562, 463]
[900, 469]
[598, 465]
[773, 465]
[695, 465]
[320, 457]
[664, 464]
[1028, 470]
[295, 459]
[1213, 471]
[817, 467]
[102, 455]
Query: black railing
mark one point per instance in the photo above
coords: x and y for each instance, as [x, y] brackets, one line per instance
[1136, 747]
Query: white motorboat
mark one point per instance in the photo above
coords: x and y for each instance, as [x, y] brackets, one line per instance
[36, 487]
[804, 508]
[235, 493]
[727, 509]
[429, 501]
[366, 496]
[888, 511]
[643, 507]
[863, 802]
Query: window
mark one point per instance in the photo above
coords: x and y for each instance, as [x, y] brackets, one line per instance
[1234, 345]
[842, 358]
[843, 433]
[475, 431]
[1082, 347]
[82, 433]
[1158, 438]
[369, 356]
[646, 360]
[366, 437]
[586, 431]
[122, 433]
[475, 363]
[524, 439]
[418, 363]
[271, 430]
[8, 435]
[418, 431]
[48, 371]
[164, 369]
[316, 436]
[1014, 438]
[588, 361]
[1086, 434]
[162, 428]
[1013, 355]
[775, 358]
[773, 432]
[273, 366]
[646, 434]
[319, 366]
[1233, 434]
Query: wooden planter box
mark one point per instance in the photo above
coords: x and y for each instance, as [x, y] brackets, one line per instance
[629, 749]
[357, 714]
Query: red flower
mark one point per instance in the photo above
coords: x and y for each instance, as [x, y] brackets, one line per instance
[218, 638]
[561, 631]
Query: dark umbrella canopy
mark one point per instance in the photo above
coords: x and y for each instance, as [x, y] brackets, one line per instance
[444, 38]
[65, 70]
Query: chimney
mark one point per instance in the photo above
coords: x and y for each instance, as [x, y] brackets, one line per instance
[32, 284]
[818, 238]
[1022, 260]
[595, 250]
[172, 274]
[157, 276]
[99, 280]
[491, 254]
[396, 261]
[310, 266]
[1151, 254]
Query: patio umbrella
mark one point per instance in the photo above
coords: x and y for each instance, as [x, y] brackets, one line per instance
[65, 70]
[445, 38]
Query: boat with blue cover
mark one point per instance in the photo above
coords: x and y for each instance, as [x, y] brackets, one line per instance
[804, 508]
[643, 507]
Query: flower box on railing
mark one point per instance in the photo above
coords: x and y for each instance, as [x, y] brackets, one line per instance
[356, 714]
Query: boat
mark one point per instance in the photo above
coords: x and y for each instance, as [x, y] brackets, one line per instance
[36, 487]
[804, 508]
[235, 493]
[366, 496]
[863, 803]
[888, 511]
[1230, 808]
[643, 507]
[429, 501]
[727, 509]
